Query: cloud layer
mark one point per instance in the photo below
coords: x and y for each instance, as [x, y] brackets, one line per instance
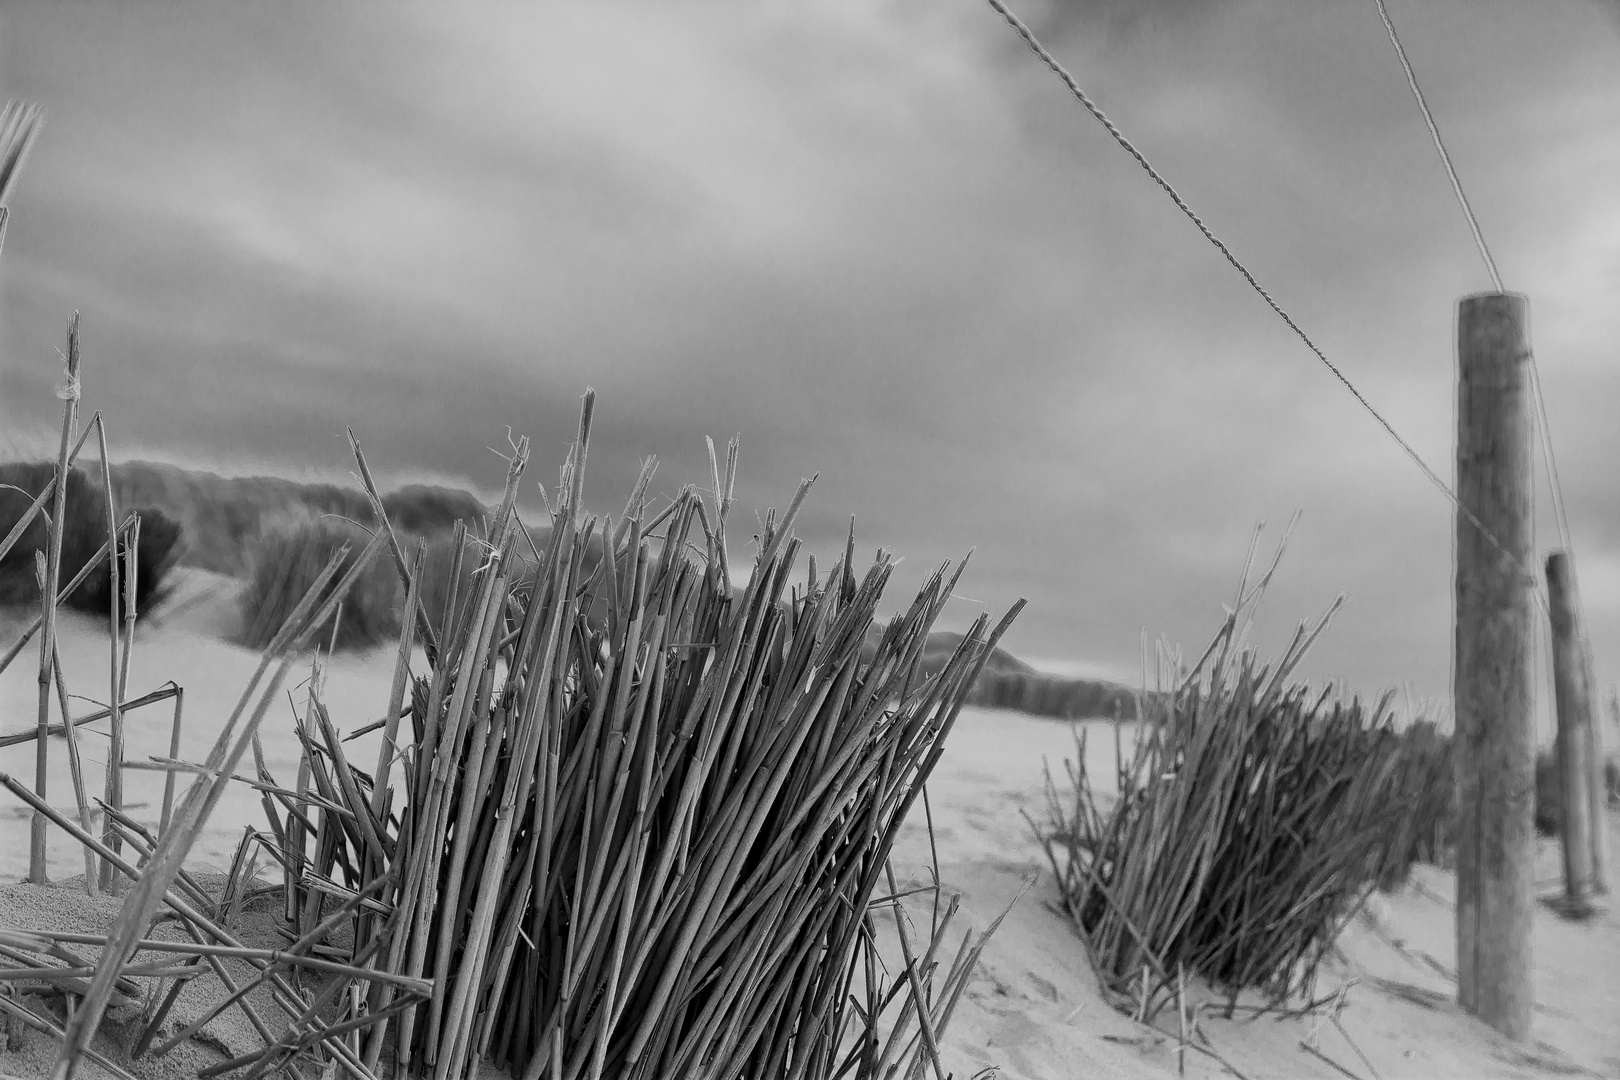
[878, 241]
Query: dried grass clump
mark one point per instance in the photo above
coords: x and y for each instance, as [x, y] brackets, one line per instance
[1041, 694]
[646, 846]
[83, 536]
[427, 509]
[1550, 789]
[1252, 822]
[284, 564]
[1423, 782]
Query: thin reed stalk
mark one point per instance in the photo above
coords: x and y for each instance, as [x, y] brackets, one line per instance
[47, 644]
[161, 694]
[116, 676]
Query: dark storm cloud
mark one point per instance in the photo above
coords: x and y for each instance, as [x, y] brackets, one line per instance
[878, 241]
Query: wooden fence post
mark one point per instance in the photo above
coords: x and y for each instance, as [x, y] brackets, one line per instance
[1492, 694]
[1580, 768]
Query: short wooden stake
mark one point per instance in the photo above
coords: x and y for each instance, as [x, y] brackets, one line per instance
[1580, 776]
[1492, 693]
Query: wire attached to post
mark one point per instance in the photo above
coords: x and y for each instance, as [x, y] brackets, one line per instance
[1058, 69]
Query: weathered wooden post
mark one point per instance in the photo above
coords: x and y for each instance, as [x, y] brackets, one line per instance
[1492, 693]
[1580, 767]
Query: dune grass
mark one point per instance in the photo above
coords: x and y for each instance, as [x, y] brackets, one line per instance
[85, 512]
[1550, 787]
[1253, 820]
[286, 562]
[1041, 694]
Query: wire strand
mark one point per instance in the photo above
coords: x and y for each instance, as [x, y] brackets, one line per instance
[1445, 158]
[1062, 73]
[1549, 459]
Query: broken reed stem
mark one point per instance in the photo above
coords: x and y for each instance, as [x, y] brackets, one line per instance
[39, 940]
[164, 693]
[174, 753]
[53, 569]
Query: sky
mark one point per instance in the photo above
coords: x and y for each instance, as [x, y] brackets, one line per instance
[880, 243]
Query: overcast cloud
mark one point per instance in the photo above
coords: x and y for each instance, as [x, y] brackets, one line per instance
[876, 239]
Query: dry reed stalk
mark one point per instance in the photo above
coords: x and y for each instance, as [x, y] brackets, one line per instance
[430, 641]
[70, 736]
[161, 694]
[40, 940]
[47, 653]
[174, 752]
[114, 788]
[132, 546]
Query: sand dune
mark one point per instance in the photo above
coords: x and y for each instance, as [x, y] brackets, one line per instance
[1033, 1011]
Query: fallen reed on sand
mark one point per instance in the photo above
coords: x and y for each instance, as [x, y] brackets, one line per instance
[1251, 823]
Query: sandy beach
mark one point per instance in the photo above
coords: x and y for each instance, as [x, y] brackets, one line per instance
[1032, 1011]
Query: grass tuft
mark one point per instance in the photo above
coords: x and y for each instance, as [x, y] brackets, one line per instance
[161, 541]
[288, 559]
[637, 821]
[1253, 820]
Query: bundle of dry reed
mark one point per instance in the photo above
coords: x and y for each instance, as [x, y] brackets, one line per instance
[638, 824]
[1254, 819]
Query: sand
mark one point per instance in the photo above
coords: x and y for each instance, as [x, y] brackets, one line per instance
[1033, 1010]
